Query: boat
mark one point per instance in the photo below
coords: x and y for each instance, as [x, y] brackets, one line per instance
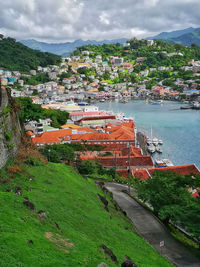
[160, 163]
[102, 100]
[158, 102]
[149, 141]
[160, 142]
[151, 149]
[155, 141]
[83, 104]
[158, 149]
[168, 163]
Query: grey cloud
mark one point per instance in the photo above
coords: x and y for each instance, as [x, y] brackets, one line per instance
[63, 20]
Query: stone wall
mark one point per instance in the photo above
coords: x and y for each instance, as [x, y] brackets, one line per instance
[10, 127]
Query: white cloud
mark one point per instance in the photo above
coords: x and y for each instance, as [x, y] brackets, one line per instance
[63, 20]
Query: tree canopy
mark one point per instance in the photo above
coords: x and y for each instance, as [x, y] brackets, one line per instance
[31, 111]
[168, 194]
[16, 56]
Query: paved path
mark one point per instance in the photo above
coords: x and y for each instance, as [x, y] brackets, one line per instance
[152, 230]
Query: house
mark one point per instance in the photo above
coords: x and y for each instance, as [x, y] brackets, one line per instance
[146, 173]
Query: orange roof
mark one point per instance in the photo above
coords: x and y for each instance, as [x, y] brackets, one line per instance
[29, 133]
[52, 136]
[95, 136]
[142, 174]
[181, 169]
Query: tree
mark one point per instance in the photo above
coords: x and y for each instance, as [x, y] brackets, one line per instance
[168, 194]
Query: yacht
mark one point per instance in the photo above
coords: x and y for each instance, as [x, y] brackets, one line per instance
[155, 141]
[159, 163]
[160, 142]
[151, 149]
[168, 163]
[158, 149]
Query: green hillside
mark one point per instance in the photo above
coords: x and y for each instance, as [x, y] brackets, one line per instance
[16, 56]
[72, 226]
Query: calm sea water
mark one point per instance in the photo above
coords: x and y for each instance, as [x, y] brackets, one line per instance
[179, 129]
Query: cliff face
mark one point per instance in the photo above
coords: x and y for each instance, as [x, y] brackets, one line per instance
[10, 128]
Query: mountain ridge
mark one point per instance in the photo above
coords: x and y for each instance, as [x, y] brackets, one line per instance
[185, 37]
[64, 49]
[172, 34]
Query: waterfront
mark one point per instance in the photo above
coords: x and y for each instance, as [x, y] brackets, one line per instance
[179, 129]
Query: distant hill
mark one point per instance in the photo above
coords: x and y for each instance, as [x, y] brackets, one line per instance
[64, 49]
[16, 56]
[188, 38]
[173, 34]
[185, 37]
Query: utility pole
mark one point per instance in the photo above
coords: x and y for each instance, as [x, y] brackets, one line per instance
[129, 169]
[115, 164]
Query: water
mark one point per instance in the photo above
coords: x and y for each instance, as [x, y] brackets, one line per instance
[179, 129]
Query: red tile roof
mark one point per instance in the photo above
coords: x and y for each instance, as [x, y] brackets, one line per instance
[30, 133]
[52, 136]
[142, 174]
[182, 169]
[143, 161]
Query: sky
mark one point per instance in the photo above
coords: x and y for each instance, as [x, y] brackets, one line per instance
[69, 20]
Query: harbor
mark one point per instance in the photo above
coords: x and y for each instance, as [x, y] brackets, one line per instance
[178, 129]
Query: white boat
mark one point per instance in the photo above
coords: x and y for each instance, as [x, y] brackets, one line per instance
[102, 100]
[160, 142]
[151, 149]
[155, 141]
[168, 163]
[158, 149]
[159, 163]
[149, 141]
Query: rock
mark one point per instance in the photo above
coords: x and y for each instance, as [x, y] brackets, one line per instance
[102, 264]
[42, 213]
[128, 262]
[109, 253]
[18, 191]
[29, 205]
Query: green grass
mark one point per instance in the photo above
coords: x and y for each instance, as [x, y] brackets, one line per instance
[71, 202]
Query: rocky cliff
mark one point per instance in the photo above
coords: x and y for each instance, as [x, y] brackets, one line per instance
[10, 127]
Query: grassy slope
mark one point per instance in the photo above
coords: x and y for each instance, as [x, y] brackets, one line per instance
[72, 203]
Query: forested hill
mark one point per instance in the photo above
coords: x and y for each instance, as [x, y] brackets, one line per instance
[16, 56]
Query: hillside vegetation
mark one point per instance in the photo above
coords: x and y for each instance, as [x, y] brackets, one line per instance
[50, 216]
[16, 56]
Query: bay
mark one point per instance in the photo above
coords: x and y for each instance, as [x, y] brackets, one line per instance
[179, 129]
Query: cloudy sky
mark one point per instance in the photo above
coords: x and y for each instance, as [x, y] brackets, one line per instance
[68, 20]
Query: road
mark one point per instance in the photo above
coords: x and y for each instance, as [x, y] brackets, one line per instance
[151, 229]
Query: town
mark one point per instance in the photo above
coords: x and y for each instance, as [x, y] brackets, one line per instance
[80, 80]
